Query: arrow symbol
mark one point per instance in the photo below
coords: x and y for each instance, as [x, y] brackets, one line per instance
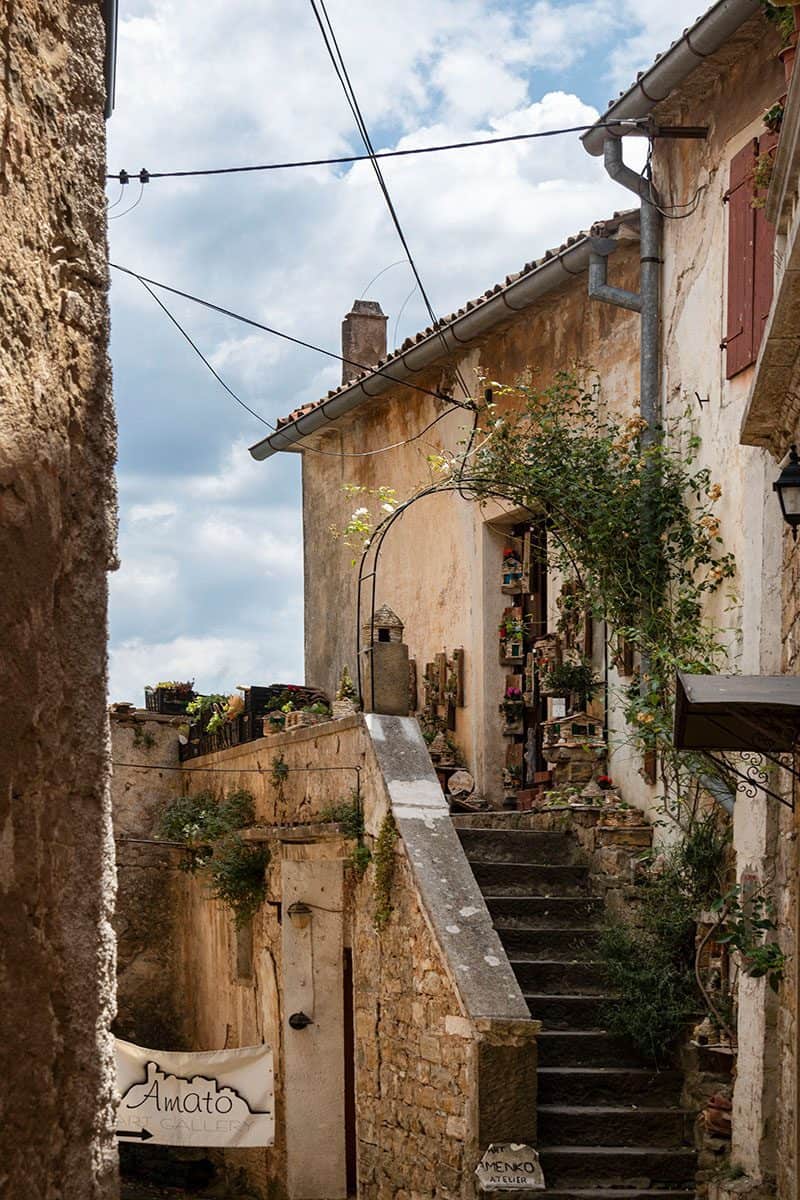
[142, 1135]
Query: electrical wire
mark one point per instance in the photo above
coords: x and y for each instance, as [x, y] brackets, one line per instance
[269, 424]
[124, 177]
[401, 262]
[340, 68]
[288, 337]
[401, 311]
[118, 199]
[135, 204]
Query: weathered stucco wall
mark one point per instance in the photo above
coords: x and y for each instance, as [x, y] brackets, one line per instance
[56, 544]
[150, 882]
[731, 102]
[450, 598]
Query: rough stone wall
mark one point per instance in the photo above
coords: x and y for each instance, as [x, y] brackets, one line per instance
[56, 545]
[150, 883]
[413, 1080]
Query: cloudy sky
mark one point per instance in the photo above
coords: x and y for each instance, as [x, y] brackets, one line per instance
[210, 585]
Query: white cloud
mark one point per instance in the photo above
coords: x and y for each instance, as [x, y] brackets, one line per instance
[211, 574]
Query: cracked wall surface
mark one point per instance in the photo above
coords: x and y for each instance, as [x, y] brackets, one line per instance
[57, 445]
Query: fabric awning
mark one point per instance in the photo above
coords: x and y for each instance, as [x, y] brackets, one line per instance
[737, 712]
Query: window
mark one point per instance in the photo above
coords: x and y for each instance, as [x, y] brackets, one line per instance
[750, 271]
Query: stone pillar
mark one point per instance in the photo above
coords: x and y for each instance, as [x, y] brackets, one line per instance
[363, 337]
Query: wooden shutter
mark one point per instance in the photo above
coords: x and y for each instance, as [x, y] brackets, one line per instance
[750, 266]
[764, 269]
[741, 259]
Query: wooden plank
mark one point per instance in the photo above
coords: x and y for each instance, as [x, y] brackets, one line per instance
[763, 261]
[458, 667]
[741, 258]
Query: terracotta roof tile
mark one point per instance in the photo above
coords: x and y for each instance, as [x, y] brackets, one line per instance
[599, 228]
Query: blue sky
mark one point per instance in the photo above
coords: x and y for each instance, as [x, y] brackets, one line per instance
[210, 585]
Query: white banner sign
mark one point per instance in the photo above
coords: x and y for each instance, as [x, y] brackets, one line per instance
[222, 1098]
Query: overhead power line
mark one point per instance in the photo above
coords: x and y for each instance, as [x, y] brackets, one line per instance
[145, 176]
[288, 337]
[269, 424]
[320, 11]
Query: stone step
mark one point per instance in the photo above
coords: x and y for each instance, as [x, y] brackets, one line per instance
[519, 845]
[563, 912]
[525, 879]
[566, 1012]
[609, 1194]
[548, 942]
[585, 1048]
[558, 977]
[609, 1085]
[642, 1166]
[611, 1125]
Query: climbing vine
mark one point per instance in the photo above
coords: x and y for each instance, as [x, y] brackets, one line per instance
[209, 827]
[384, 862]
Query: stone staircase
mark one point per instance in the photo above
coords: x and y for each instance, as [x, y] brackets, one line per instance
[609, 1126]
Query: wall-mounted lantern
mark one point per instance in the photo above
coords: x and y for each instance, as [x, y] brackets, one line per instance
[787, 485]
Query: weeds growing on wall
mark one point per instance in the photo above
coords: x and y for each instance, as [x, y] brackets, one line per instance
[349, 815]
[384, 862]
[209, 826]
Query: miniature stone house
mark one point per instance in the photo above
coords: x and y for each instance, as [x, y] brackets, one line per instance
[385, 670]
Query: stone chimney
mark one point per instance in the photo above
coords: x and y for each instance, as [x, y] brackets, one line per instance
[363, 337]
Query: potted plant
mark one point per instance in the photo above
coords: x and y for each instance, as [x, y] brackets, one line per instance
[783, 16]
[570, 680]
[513, 710]
[346, 702]
[773, 117]
[512, 639]
[169, 697]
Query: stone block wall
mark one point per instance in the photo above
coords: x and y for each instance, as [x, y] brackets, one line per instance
[56, 545]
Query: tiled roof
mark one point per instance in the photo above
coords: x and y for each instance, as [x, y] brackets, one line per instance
[601, 229]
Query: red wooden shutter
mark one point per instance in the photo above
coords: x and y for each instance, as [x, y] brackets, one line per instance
[764, 272]
[741, 260]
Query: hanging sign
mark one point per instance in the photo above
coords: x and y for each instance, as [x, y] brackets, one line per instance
[509, 1166]
[219, 1098]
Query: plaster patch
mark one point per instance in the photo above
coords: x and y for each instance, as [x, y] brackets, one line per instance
[453, 928]
[491, 960]
[468, 911]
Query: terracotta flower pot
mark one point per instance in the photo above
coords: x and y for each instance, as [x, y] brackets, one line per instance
[787, 56]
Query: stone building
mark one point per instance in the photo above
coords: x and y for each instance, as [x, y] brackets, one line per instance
[57, 541]
[706, 246]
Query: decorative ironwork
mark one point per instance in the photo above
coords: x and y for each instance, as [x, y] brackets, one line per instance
[751, 775]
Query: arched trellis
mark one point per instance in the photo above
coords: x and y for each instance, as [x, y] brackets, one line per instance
[375, 544]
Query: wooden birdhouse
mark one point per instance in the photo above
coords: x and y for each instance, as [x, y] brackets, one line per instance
[512, 572]
[385, 667]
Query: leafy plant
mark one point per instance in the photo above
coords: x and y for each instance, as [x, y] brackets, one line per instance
[384, 860]
[773, 117]
[347, 689]
[318, 709]
[209, 826]
[236, 873]
[279, 773]
[181, 688]
[143, 738]
[360, 858]
[748, 919]
[782, 17]
[649, 961]
[569, 678]
[763, 170]
[348, 814]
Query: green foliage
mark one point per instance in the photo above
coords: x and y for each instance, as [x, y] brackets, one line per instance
[203, 708]
[279, 773]
[347, 689]
[234, 868]
[348, 814]
[773, 117]
[143, 738]
[383, 858]
[236, 874]
[630, 524]
[748, 919]
[649, 962]
[782, 17]
[360, 858]
[573, 678]
[318, 708]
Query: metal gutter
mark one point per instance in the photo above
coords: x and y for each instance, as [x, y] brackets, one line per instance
[654, 85]
[110, 15]
[450, 338]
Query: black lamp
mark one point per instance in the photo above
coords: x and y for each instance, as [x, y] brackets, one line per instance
[787, 485]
